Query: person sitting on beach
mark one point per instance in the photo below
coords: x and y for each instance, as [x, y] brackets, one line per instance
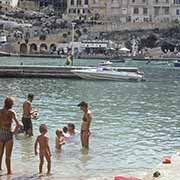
[7, 116]
[44, 150]
[59, 139]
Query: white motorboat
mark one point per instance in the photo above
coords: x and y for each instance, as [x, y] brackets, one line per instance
[105, 63]
[102, 73]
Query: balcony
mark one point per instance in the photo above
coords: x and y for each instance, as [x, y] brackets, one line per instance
[138, 3]
[158, 3]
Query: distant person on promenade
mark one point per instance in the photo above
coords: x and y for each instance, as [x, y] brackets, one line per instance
[68, 61]
[28, 114]
[44, 150]
[86, 122]
[7, 115]
[60, 141]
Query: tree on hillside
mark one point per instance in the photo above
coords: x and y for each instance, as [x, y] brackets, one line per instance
[78, 32]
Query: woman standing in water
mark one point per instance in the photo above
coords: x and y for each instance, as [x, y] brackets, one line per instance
[86, 122]
[7, 115]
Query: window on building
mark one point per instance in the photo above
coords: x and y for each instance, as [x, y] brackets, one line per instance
[167, 1]
[145, 11]
[166, 10]
[156, 11]
[143, 1]
[72, 2]
[78, 11]
[176, 1]
[74, 11]
[133, 1]
[157, 1]
[78, 2]
[177, 12]
[86, 2]
[136, 10]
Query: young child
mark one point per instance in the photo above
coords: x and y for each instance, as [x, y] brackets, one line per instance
[44, 150]
[59, 139]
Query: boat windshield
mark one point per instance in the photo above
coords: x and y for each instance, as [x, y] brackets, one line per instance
[99, 69]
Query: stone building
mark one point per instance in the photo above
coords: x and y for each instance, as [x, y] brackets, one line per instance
[78, 7]
[175, 10]
[117, 11]
[12, 3]
[33, 5]
[160, 10]
[59, 6]
[107, 9]
[139, 10]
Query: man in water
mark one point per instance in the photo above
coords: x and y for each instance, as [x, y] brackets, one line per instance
[86, 122]
[28, 113]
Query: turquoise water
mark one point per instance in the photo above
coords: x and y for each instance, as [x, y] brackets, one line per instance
[134, 124]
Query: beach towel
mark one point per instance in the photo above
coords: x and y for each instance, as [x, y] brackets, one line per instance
[124, 178]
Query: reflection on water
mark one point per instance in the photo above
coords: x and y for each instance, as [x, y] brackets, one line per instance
[134, 124]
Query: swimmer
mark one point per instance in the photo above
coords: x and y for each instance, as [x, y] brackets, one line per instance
[65, 132]
[71, 129]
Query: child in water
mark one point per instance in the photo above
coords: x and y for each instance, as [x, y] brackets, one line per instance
[65, 133]
[59, 139]
[44, 150]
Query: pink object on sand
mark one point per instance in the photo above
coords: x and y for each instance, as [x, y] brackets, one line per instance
[124, 178]
[167, 160]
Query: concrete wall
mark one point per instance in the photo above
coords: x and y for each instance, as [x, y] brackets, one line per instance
[130, 26]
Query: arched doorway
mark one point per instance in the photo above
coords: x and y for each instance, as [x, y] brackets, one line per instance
[52, 48]
[33, 48]
[43, 48]
[23, 48]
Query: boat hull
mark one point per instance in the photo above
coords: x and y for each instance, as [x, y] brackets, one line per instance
[108, 75]
[177, 64]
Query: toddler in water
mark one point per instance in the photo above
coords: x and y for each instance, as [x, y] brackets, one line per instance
[44, 150]
[59, 139]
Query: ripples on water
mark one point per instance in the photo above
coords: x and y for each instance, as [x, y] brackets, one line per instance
[134, 124]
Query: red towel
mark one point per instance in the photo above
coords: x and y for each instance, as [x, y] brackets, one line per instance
[167, 160]
[124, 178]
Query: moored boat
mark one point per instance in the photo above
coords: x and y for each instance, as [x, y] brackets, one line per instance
[105, 63]
[112, 74]
[177, 64]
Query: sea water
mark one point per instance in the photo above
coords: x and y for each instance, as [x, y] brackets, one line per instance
[134, 124]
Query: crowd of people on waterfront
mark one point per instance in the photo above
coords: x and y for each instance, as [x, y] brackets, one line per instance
[41, 146]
